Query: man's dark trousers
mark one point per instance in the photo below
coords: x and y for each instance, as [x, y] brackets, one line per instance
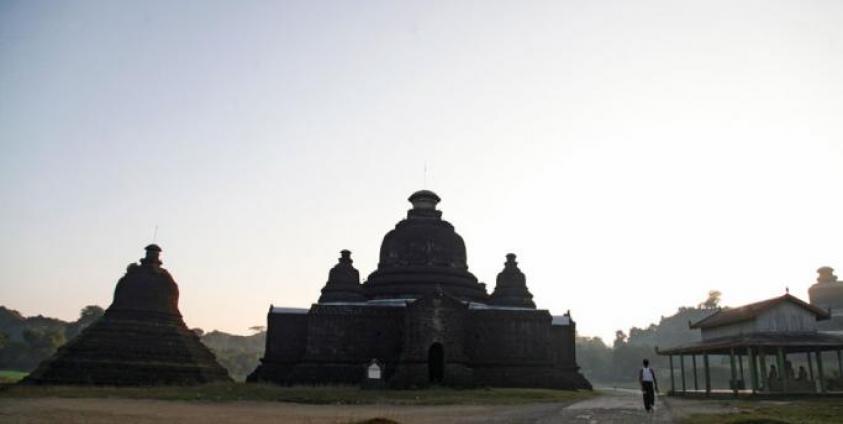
[649, 394]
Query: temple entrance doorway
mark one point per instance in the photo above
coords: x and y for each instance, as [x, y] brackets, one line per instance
[436, 363]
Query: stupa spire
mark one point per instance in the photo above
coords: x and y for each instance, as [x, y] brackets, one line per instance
[511, 286]
[343, 282]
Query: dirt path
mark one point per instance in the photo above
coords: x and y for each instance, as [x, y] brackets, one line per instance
[610, 407]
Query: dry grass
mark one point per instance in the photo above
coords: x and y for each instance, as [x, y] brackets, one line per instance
[786, 412]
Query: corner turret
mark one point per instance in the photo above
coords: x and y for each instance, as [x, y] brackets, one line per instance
[343, 282]
[511, 287]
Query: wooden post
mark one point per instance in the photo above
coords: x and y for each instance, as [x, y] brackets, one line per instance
[740, 365]
[764, 382]
[672, 383]
[820, 371]
[682, 365]
[753, 369]
[694, 364]
[810, 365]
[782, 373]
[732, 368]
[707, 375]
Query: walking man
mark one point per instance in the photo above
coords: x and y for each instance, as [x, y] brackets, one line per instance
[649, 385]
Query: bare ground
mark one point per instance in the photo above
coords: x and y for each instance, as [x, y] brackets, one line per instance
[610, 407]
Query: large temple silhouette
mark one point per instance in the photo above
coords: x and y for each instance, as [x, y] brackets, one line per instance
[140, 340]
[424, 318]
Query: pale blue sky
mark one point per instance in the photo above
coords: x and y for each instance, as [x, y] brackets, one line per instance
[633, 154]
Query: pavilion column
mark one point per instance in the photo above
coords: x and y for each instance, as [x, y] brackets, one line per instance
[753, 369]
[810, 365]
[764, 382]
[740, 366]
[782, 373]
[820, 371]
[672, 382]
[694, 364]
[840, 362]
[734, 372]
[682, 372]
[707, 375]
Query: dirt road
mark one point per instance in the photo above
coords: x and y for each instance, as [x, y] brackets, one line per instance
[610, 407]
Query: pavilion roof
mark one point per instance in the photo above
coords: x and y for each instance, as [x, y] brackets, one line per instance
[790, 342]
[753, 310]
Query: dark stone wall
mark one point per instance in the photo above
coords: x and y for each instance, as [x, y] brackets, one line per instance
[288, 338]
[330, 344]
[514, 337]
[345, 333]
[504, 348]
[434, 319]
[563, 346]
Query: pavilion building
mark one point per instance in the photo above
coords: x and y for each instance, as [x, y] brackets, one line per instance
[762, 339]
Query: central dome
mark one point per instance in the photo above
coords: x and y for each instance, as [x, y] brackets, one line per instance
[422, 255]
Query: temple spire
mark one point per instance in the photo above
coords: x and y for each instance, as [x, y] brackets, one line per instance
[343, 282]
[511, 286]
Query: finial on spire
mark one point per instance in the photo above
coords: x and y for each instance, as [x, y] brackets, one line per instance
[787, 290]
[424, 199]
[152, 255]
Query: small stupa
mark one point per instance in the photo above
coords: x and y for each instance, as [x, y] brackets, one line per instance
[827, 293]
[343, 282]
[511, 287]
[140, 340]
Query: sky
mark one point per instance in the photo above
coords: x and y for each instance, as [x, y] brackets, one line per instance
[635, 155]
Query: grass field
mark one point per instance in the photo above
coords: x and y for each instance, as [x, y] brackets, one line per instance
[767, 412]
[346, 395]
[11, 376]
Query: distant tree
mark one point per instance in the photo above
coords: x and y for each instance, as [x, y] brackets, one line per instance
[91, 313]
[257, 328]
[87, 316]
[620, 339]
[43, 342]
[595, 358]
[199, 332]
[713, 300]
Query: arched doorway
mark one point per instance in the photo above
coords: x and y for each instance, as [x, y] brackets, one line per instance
[436, 363]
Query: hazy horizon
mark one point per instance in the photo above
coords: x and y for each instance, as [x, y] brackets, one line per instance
[634, 155]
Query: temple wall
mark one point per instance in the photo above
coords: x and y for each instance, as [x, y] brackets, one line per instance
[510, 337]
[485, 347]
[286, 337]
[354, 334]
[563, 342]
[435, 320]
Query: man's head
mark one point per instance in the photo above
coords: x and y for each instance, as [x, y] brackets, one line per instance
[646, 362]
